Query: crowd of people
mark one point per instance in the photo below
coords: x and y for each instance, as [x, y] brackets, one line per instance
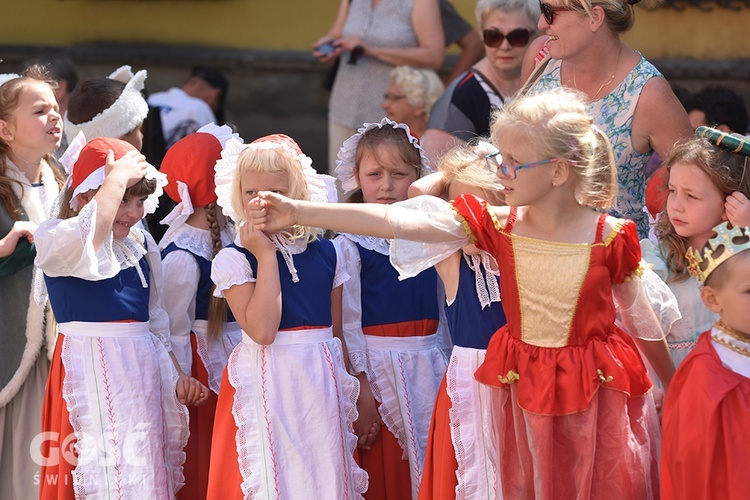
[530, 283]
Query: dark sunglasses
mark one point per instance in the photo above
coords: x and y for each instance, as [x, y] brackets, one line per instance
[548, 11]
[517, 38]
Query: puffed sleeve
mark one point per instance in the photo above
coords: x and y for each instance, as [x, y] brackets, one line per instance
[653, 256]
[352, 305]
[181, 276]
[341, 273]
[623, 255]
[65, 247]
[427, 231]
[230, 268]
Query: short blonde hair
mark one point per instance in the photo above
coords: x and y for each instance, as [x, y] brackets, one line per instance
[557, 125]
[467, 164]
[421, 86]
[272, 161]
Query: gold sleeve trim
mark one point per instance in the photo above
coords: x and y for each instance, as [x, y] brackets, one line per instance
[614, 232]
[511, 377]
[643, 266]
[465, 225]
[495, 222]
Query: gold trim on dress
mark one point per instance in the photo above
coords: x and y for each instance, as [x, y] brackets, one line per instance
[602, 378]
[550, 277]
[643, 266]
[615, 230]
[465, 225]
[511, 377]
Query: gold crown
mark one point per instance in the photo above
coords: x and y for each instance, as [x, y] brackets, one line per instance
[725, 244]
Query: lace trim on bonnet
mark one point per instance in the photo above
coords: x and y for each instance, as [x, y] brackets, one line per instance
[346, 164]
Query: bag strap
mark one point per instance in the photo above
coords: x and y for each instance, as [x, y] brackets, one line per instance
[538, 71]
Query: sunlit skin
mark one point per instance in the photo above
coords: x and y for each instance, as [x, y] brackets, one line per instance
[694, 204]
[130, 212]
[731, 298]
[251, 183]
[384, 178]
[35, 128]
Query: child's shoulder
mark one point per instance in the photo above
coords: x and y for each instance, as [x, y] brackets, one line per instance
[624, 231]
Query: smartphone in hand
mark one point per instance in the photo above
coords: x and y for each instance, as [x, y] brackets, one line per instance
[325, 48]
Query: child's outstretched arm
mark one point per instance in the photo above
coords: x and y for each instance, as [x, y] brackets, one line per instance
[272, 212]
[737, 208]
[257, 305]
[120, 174]
[20, 229]
[639, 319]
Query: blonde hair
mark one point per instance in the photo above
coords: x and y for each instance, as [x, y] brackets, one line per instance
[529, 7]
[557, 125]
[261, 160]
[723, 168]
[619, 14]
[467, 164]
[421, 86]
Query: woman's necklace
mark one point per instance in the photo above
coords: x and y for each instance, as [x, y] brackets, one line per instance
[611, 78]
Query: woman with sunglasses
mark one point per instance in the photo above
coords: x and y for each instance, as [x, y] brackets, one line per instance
[463, 111]
[630, 100]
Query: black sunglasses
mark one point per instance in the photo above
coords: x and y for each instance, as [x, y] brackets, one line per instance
[517, 38]
[548, 11]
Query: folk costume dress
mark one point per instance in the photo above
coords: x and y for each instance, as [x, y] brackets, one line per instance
[461, 454]
[27, 340]
[394, 334]
[111, 391]
[284, 419]
[575, 416]
[187, 252]
[706, 421]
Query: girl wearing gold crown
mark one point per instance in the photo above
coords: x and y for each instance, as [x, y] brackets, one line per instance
[707, 185]
[706, 439]
[572, 402]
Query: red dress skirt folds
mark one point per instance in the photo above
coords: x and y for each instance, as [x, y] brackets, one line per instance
[574, 417]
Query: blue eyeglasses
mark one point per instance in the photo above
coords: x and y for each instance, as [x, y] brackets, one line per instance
[509, 171]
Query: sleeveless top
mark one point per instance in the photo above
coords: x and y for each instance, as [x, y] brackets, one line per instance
[613, 113]
[358, 89]
[120, 298]
[470, 324]
[306, 304]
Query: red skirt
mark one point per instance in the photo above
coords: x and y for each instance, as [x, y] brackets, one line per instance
[57, 450]
[439, 479]
[198, 449]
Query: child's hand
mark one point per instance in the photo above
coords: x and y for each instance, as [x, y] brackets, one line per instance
[253, 239]
[190, 391]
[737, 208]
[368, 424]
[131, 168]
[20, 229]
[271, 212]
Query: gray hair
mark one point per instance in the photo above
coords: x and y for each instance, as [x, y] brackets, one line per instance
[528, 7]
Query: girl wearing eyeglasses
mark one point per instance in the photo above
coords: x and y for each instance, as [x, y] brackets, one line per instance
[627, 96]
[463, 111]
[573, 410]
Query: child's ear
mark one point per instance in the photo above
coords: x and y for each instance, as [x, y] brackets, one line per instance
[710, 299]
[84, 198]
[561, 173]
[6, 133]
